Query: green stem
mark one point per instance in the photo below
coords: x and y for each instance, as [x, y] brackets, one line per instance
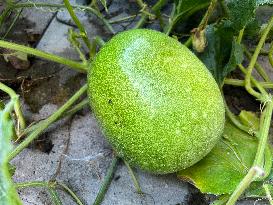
[48, 56]
[258, 66]
[96, 41]
[208, 13]
[85, 8]
[253, 172]
[183, 15]
[49, 185]
[236, 122]
[254, 59]
[255, 83]
[262, 52]
[188, 42]
[144, 16]
[78, 23]
[256, 170]
[241, 83]
[122, 19]
[31, 184]
[263, 139]
[72, 37]
[70, 192]
[47, 123]
[4, 14]
[13, 23]
[135, 181]
[99, 41]
[17, 106]
[68, 113]
[240, 36]
[270, 53]
[54, 196]
[106, 182]
[202, 25]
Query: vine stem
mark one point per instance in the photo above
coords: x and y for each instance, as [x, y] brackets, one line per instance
[175, 18]
[255, 82]
[253, 172]
[236, 82]
[106, 182]
[254, 59]
[256, 170]
[188, 42]
[70, 192]
[5, 13]
[78, 23]
[68, 113]
[258, 66]
[135, 181]
[156, 8]
[17, 106]
[270, 53]
[33, 135]
[240, 36]
[237, 123]
[31, 184]
[265, 125]
[49, 185]
[86, 8]
[48, 56]
[122, 19]
[208, 13]
[13, 23]
[198, 38]
[54, 196]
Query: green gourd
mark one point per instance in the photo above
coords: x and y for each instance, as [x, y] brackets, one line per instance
[156, 102]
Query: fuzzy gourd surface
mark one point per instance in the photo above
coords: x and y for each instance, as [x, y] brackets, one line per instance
[157, 104]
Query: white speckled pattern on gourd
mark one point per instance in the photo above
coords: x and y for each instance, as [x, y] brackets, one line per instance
[156, 102]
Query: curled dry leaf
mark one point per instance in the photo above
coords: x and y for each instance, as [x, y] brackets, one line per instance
[17, 59]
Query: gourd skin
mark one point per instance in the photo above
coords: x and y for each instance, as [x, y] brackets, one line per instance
[157, 104]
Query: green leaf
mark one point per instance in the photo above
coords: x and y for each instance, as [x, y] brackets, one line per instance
[8, 193]
[222, 53]
[249, 119]
[226, 165]
[241, 12]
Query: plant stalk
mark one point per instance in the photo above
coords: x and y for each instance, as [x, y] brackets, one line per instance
[78, 23]
[70, 192]
[241, 83]
[106, 182]
[48, 56]
[17, 106]
[135, 181]
[257, 167]
[33, 135]
[254, 59]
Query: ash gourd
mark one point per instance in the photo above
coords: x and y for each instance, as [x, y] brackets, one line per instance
[156, 102]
